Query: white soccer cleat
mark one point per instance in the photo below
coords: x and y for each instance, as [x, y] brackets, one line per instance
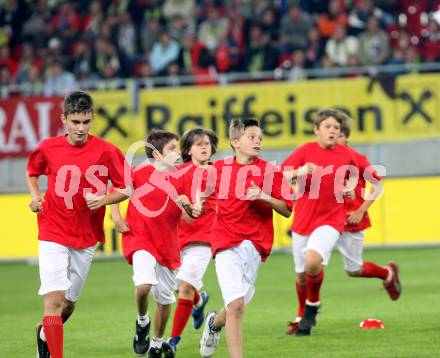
[210, 339]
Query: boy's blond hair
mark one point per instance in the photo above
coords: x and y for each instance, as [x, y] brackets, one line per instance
[239, 125]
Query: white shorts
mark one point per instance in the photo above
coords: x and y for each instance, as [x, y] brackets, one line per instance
[195, 260]
[322, 240]
[63, 268]
[237, 270]
[147, 271]
[351, 247]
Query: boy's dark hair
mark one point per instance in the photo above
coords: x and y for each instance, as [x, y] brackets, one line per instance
[346, 125]
[78, 102]
[239, 125]
[158, 138]
[192, 136]
[325, 113]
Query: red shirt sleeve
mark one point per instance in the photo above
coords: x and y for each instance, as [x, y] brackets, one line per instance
[116, 165]
[37, 163]
[295, 160]
[367, 170]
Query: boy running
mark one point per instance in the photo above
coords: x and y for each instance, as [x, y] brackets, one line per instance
[247, 189]
[78, 166]
[149, 239]
[197, 146]
[320, 169]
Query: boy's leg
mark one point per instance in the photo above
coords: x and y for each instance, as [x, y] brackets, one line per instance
[210, 339]
[184, 308]
[144, 276]
[237, 270]
[318, 250]
[299, 243]
[234, 334]
[163, 293]
[351, 246]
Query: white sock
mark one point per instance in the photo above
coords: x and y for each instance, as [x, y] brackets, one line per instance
[156, 342]
[42, 335]
[390, 275]
[313, 303]
[143, 320]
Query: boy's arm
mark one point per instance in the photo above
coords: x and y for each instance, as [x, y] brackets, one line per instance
[354, 217]
[34, 189]
[120, 224]
[114, 197]
[254, 192]
[306, 169]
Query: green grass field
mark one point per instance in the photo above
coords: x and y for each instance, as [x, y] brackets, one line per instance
[104, 321]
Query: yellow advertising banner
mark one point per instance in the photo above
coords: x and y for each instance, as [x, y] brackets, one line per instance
[412, 221]
[385, 109]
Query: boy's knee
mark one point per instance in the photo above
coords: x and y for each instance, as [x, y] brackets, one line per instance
[186, 289]
[236, 308]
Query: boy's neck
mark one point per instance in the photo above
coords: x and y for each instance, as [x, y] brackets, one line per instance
[241, 158]
[161, 167]
[326, 147]
[199, 164]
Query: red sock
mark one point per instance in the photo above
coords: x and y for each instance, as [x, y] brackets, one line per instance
[196, 297]
[370, 269]
[301, 292]
[53, 330]
[181, 316]
[314, 286]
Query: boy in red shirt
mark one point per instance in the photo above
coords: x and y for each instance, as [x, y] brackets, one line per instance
[351, 242]
[247, 189]
[78, 166]
[196, 146]
[149, 239]
[321, 170]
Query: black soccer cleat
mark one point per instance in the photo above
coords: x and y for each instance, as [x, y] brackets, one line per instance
[308, 321]
[154, 352]
[169, 348]
[42, 347]
[141, 340]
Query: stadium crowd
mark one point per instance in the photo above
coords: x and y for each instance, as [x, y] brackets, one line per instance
[51, 45]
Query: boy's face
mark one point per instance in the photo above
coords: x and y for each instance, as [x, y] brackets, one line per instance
[170, 154]
[328, 132]
[249, 144]
[201, 150]
[78, 126]
[342, 140]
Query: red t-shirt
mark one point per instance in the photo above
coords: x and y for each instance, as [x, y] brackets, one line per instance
[153, 215]
[366, 170]
[198, 230]
[322, 202]
[73, 171]
[239, 219]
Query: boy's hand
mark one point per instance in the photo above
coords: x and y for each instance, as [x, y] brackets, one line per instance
[36, 204]
[121, 225]
[306, 169]
[94, 202]
[355, 217]
[254, 192]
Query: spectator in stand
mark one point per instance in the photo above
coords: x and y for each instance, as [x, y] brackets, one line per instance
[296, 72]
[5, 81]
[58, 82]
[269, 23]
[66, 23]
[178, 28]
[340, 46]
[186, 9]
[149, 34]
[364, 9]
[260, 54]
[328, 22]
[212, 29]
[7, 60]
[27, 61]
[106, 58]
[314, 49]
[164, 52]
[126, 37]
[81, 61]
[294, 28]
[374, 44]
[93, 20]
[431, 41]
